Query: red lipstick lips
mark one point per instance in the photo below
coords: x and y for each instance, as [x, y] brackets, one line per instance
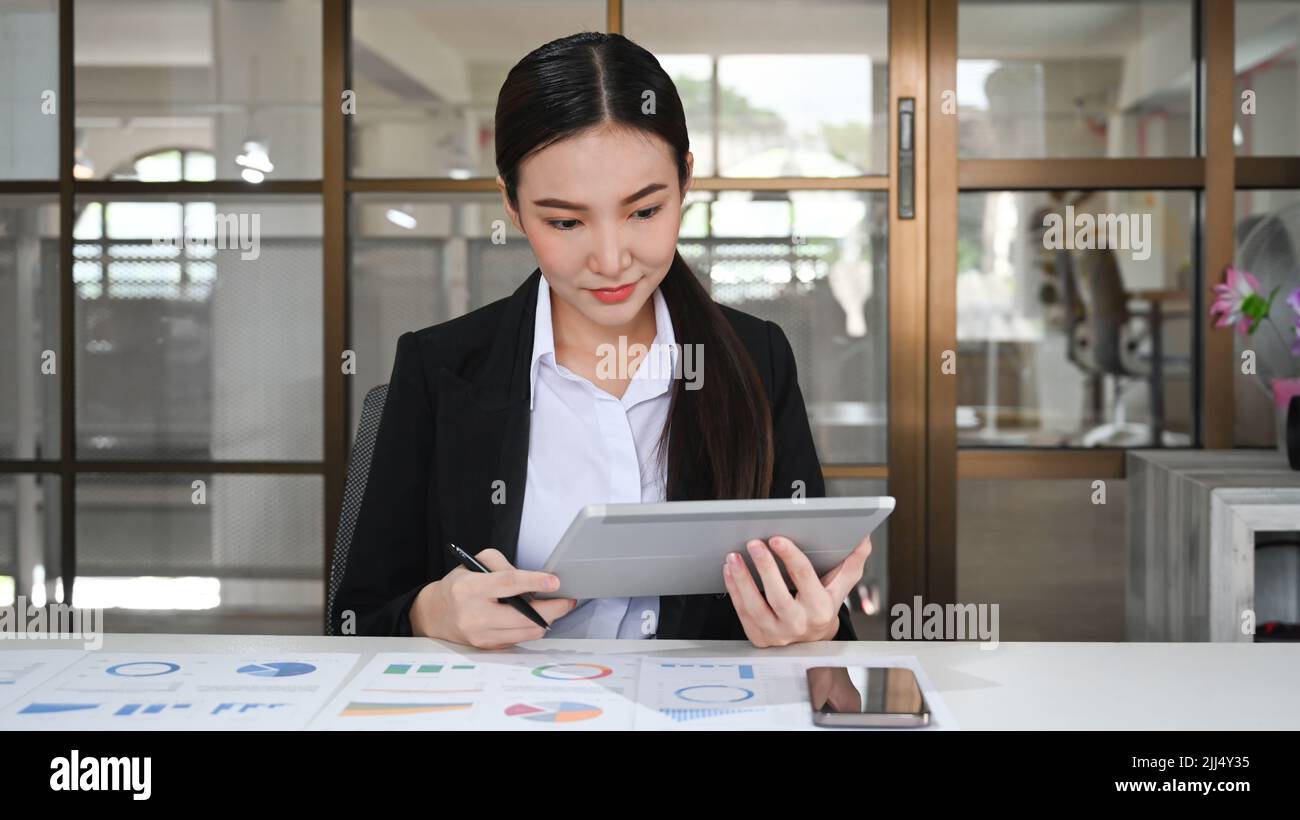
[612, 296]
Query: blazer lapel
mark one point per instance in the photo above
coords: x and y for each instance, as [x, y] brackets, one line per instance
[491, 415]
[512, 466]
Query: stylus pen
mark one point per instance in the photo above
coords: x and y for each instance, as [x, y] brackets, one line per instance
[517, 601]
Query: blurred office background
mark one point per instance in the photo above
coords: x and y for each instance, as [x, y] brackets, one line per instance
[198, 371]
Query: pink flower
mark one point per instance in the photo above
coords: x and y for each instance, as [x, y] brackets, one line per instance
[1294, 301]
[1239, 285]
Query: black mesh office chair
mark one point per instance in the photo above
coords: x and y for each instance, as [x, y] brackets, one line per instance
[372, 409]
[1103, 341]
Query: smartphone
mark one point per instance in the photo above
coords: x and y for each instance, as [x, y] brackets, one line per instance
[881, 697]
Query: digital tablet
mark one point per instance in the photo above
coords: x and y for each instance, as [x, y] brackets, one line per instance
[678, 547]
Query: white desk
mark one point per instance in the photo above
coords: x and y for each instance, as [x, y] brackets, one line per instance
[1015, 686]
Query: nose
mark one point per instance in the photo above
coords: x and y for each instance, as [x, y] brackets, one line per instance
[609, 256]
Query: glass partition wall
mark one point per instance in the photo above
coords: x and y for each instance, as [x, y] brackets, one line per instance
[902, 186]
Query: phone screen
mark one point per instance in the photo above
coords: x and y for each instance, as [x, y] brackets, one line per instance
[870, 696]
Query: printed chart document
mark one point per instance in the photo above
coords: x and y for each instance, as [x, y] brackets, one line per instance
[22, 670]
[509, 690]
[124, 691]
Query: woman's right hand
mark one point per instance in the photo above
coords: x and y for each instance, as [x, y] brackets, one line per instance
[463, 606]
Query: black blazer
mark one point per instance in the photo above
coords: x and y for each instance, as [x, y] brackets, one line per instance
[456, 420]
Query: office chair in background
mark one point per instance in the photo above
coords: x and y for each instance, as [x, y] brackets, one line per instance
[363, 449]
[1106, 344]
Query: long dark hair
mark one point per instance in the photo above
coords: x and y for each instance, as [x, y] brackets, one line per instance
[721, 434]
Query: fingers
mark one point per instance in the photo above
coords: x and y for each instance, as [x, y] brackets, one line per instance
[493, 559]
[814, 604]
[840, 580]
[505, 581]
[506, 638]
[520, 581]
[749, 602]
[751, 629]
[774, 589]
[495, 625]
[551, 609]
[798, 566]
[504, 616]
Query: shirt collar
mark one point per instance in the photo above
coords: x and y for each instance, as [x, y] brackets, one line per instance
[663, 346]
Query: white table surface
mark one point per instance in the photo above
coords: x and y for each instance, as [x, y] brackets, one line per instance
[1014, 686]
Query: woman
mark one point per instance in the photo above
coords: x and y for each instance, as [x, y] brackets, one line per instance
[501, 424]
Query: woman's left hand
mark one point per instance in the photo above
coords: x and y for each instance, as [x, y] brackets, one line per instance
[774, 617]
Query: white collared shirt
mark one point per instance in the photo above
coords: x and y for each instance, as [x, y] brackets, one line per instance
[586, 446]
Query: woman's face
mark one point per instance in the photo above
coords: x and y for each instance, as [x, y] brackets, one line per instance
[602, 211]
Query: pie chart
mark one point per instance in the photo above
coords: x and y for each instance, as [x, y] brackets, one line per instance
[143, 669]
[280, 669]
[554, 711]
[714, 693]
[573, 671]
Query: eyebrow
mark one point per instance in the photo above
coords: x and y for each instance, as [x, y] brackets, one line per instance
[573, 206]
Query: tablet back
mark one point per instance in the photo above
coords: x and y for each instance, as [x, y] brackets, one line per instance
[678, 547]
